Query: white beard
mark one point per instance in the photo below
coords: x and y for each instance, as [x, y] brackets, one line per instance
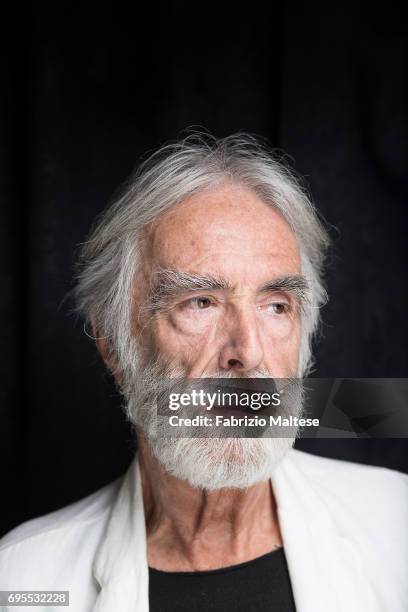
[215, 463]
[205, 463]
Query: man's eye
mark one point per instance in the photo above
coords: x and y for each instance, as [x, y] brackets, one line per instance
[199, 302]
[279, 307]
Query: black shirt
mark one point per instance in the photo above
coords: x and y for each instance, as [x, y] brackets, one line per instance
[262, 584]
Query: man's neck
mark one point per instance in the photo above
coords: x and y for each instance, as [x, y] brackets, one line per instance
[192, 530]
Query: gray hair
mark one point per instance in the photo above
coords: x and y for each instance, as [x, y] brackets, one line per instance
[110, 257]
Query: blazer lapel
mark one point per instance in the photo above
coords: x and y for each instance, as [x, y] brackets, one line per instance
[325, 566]
[120, 565]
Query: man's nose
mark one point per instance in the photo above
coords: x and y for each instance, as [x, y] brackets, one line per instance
[242, 350]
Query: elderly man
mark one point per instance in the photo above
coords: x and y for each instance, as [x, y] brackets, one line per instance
[210, 266]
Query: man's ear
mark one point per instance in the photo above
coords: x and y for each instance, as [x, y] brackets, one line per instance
[108, 356]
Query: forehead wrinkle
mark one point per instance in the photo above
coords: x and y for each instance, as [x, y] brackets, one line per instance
[227, 216]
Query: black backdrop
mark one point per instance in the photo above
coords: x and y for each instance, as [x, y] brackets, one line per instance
[84, 95]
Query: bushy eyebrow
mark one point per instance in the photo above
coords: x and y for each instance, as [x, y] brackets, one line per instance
[168, 283]
[295, 284]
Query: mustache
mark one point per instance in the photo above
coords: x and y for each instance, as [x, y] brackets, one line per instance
[160, 377]
[162, 368]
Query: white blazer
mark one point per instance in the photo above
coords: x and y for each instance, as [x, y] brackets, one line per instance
[344, 528]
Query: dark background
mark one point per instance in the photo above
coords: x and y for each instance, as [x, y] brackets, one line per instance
[84, 96]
